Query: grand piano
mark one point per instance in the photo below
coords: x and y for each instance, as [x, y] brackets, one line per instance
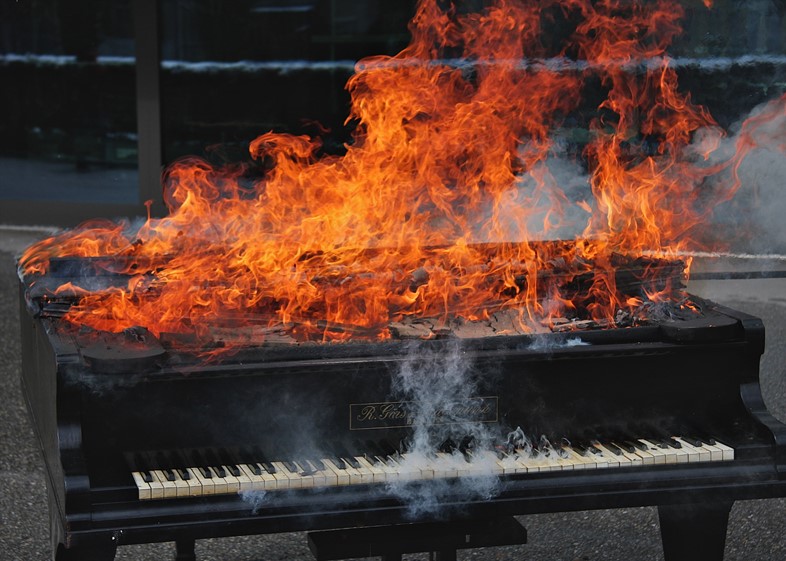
[385, 447]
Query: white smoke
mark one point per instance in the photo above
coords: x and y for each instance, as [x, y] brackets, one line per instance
[255, 499]
[752, 221]
[437, 383]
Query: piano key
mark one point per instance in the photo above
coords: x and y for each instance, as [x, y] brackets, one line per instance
[726, 451]
[693, 454]
[255, 468]
[355, 476]
[168, 486]
[378, 475]
[204, 476]
[232, 483]
[405, 469]
[661, 456]
[340, 473]
[287, 476]
[264, 480]
[143, 484]
[170, 481]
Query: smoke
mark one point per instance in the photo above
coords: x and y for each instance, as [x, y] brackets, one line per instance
[255, 499]
[439, 384]
[752, 221]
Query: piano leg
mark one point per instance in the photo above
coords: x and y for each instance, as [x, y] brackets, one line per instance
[87, 552]
[696, 531]
[185, 550]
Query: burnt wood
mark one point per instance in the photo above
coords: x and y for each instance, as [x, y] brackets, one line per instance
[98, 419]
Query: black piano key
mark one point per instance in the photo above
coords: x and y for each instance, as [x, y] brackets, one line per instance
[623, 445]
[263, 460]
[376, 450]
[672, 443]
[169, 474]
[291, 466]
[390, 450]
[255, 468]
[637, 444]
[318, 464]
[206, 472]
[347, 457]
[467, 444]
[707, 439]
[184, 474]
[338, 462]
[561, 448]
[613, 448]
[364, 451]
[214, 461]
[448, 446]
[147, 477]
[306, 468]
[228, 461]
[692, 440]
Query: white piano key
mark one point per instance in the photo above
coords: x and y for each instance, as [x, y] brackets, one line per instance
[318, 476]
[633, 458]
[356, 477]
[220, 484]
[255, 482]
[206, 484]
[578, 461]
[659, 455]
[330, 476]
[156, 488]
[391, 469]
[232, 483]
[727, 452]
[600, 461]
[342, 477]
[285, 477]
[243, 480]
[613, 459]
[406, 470]
[378, 475]
[169, 488]
[693, 454]
[485, 462]
[192, 485]
[145, 493]
[512, 464]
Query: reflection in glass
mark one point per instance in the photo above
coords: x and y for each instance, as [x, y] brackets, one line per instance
[68, 129]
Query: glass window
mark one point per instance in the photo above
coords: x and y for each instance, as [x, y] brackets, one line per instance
[234, 70]
[68, 125]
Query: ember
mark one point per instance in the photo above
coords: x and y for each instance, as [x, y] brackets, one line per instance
[427, 225]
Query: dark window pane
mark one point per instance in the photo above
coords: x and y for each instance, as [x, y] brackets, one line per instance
[68, 128]
[234, 70]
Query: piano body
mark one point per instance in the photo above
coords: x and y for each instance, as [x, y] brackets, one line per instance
[143, 443]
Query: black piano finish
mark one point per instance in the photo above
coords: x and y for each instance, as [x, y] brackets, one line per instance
[92, 415]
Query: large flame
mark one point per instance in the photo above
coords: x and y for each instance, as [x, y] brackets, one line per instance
[450, 151]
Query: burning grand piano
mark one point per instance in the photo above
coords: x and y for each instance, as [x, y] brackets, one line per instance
[354, 344]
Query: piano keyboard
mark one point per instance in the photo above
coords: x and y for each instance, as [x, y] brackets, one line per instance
[218, 478]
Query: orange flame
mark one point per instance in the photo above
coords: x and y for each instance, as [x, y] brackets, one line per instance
[448, 154]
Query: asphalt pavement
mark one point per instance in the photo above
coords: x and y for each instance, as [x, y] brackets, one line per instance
[757, 529]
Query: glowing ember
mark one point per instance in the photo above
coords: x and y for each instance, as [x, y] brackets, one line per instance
[448, 155]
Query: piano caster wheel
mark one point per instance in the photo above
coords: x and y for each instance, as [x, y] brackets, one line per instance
[184, 550]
